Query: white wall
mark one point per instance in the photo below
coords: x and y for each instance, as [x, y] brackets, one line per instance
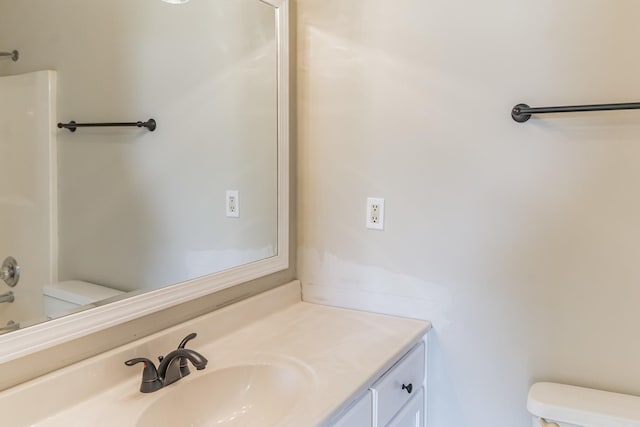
[519, 241]
[141, 209]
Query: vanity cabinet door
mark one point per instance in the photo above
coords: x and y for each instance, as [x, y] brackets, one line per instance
[359, 415]
[412, 414]
[396, 399]
[399, 385]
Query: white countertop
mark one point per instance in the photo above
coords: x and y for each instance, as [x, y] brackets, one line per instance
[341, 351]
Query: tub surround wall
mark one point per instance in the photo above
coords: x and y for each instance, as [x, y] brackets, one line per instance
[28, 189]
[519, 241]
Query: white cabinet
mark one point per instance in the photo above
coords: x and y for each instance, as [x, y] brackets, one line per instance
[359, 415]
[412, 415]
[395, 399]
[398, 385]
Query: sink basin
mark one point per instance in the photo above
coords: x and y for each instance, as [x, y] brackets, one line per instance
[247, 395]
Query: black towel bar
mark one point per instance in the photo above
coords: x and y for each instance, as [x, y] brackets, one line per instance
[72, 126]
[522, 112]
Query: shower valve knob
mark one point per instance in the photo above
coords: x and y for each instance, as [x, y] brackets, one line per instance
[10, 271]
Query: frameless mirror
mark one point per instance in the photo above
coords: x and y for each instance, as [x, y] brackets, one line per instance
[125, 220]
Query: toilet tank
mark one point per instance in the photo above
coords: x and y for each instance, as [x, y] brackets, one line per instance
[570, 406]
[64, 297]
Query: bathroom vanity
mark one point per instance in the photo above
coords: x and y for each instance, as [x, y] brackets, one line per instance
[272, 360]
[395, 399]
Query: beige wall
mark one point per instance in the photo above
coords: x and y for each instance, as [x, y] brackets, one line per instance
[519, 241]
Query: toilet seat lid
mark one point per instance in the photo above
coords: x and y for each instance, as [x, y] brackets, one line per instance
[583, 406]
[79, 292]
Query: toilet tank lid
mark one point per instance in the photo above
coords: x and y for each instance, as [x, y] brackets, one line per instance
[583, 406]
[79, 292]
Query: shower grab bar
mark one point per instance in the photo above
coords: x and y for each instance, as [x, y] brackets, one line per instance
[8, 297]
[72, 126]
[14, 54]
[10, 327]
[522, 112]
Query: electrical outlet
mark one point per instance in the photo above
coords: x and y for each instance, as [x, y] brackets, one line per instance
[375, 213]
[233, 204]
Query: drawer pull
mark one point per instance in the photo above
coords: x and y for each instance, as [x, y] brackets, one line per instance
[409, 388]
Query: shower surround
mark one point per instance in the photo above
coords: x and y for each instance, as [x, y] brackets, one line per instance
[28, 189]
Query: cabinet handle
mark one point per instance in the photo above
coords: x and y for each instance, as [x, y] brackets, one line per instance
[409, 388]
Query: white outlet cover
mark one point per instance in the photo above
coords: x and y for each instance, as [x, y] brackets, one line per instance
[375, 213]
[232, 204]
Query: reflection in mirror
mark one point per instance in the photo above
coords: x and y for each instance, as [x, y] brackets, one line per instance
[114, 212]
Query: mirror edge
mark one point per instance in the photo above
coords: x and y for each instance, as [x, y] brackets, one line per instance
[49, 334]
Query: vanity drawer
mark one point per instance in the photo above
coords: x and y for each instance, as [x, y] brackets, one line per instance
[389, 391]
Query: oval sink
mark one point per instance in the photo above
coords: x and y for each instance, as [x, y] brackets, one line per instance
[258, 395]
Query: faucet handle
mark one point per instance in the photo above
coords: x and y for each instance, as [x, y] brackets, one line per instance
[186, 339]
[150, 380]
[184, 366]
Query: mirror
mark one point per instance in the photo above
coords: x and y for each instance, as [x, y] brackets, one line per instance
[152, 218]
